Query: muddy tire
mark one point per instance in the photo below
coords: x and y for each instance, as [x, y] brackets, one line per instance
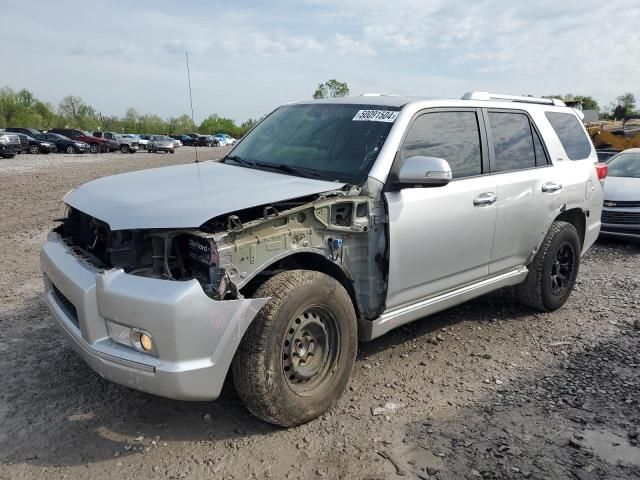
[295, 359]
[553, 271]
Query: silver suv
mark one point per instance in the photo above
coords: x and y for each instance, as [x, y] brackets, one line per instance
[331, 221]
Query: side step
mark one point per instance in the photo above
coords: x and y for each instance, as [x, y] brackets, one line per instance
[390, 319]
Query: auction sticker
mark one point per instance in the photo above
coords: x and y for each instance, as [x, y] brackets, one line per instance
[376, 116]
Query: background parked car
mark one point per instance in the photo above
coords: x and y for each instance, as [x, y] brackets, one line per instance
[24, 143]
[143, 140]
[126, 144]
[95, 144]
[224, 139]
[621, 211]
[35, 145]
[64, 144]
[161, 143]
[28, 131]
[9, 144]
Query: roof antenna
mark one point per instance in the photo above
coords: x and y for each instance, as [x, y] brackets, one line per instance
[186, 54]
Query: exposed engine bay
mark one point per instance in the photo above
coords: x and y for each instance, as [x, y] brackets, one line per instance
[341, 233]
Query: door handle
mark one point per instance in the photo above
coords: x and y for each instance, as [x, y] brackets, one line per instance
[487, 198]
[551, 187]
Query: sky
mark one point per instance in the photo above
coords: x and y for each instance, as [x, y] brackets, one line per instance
[248, 57]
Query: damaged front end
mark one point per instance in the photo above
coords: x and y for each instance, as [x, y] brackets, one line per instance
[340, 233]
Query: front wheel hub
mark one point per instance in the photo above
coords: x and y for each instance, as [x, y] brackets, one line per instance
[309, 350]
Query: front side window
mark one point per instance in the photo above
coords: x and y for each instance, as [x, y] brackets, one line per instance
[574, 140]
[331, 141]
[453, 136]
[512, 141]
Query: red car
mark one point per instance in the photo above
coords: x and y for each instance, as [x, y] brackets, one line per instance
[95, 144]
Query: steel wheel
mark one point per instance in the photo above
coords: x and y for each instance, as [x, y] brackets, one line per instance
[310, 348]
[562, 269]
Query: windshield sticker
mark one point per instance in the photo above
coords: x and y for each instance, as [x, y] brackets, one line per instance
[376, 116]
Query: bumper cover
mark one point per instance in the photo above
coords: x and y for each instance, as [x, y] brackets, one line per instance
[195, 336]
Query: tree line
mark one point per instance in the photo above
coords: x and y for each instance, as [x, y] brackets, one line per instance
[23, 109]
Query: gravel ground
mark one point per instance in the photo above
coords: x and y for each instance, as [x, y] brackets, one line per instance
[488, 389]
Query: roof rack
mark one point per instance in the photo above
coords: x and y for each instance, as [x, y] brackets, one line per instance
[486, 96]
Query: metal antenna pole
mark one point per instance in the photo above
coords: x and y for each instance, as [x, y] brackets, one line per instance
[186, 54]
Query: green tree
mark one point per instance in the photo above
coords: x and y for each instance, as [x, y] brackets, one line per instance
[624, 106]
[330, 89]
[247, 125]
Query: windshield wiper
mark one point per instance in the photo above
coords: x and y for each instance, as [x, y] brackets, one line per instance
[303, 172]
[239, 160]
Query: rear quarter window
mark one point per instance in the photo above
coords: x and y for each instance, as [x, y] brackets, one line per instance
[575, 142]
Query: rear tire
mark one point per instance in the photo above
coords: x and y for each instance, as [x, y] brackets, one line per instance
[93, 148]
[34, 149]
[70, 149]
[296, 357]
[553, 271]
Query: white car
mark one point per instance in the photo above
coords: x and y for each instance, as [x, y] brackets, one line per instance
[142, 142]
[225, 139]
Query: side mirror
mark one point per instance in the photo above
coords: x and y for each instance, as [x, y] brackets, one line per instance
[427, 171]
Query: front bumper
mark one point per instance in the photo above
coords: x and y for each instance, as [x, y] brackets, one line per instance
[9, 148]
[621, 223]
[195, 336]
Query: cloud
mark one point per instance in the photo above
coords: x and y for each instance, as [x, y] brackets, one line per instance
[246, 58]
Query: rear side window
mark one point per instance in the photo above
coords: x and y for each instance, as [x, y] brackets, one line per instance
[453, 136]
[512, 141]
[541, 155]
[571, 135]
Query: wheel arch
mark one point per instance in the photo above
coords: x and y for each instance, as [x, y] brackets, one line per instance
[576, 217]
[306, 261]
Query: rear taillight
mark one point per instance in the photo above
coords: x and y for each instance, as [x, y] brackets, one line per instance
[601, 170]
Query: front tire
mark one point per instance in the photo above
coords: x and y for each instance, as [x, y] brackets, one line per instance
[124, 148]
[553, 271]
[34, 149]
[70, 149]
[296, 357]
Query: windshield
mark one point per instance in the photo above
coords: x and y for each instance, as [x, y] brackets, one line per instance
[86, 134]
[336, 141]
[624, 165]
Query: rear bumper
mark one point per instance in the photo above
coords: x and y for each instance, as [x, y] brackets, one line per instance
[195, 337]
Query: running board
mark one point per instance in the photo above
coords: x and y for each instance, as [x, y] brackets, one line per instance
[370, 329]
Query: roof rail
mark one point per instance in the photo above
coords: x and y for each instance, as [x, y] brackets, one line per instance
[486, 96]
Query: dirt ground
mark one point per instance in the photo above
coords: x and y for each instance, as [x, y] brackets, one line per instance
[488, 389]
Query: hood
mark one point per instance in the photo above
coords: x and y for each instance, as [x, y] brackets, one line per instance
[186, 196]
[622, 189]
